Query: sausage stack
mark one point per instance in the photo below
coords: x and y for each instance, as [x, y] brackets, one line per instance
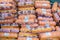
[7, 11]
[27, 19]
[9, 28]
[45, 20]
[56, 12]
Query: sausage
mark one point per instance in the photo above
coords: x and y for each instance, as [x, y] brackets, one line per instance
[25, 16]
[56, 17]
[9, 35]
[42, 4]
[43, 29]
[25, 30]
[25, 38]
[7, 6]
[55, 7]
[46, 12]
[9, 11]
[21, 34]
[6, 1]
[51, 23]
[25, 21]
[5, 29]
[43, 18]
[31, 25]
[41, 10]
[8, 39]
[6, 21]
[48, 35]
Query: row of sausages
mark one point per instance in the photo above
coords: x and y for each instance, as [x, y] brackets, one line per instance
[27, 36]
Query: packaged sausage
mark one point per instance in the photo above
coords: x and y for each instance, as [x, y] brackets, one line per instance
[7, 16]
[56, 17]
[51, 23]
[25, 3]
[46, 12]
[13, 25]
[48, 35]
[9, 11]
[42, 4]
[7, 39]
[28, 27]
[6, 21]
[41, 29]
[44, 18]
[8, 35]
[26, 21]
[27, 38]
[23, 34]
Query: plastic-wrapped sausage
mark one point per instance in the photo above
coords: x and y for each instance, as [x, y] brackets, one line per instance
[48, 36]
[27, 38]
[51, 23]
[43, 29]
[9, 35]
[27, 17]
[42, 4]
[56, 17]
[6, 6]
[41, 10]
[25, 21]
[46, 12]
[44, 18]
[7, 21]
[21, 34]
[8, 11]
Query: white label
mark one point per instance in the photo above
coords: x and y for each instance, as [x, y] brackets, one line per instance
[44, 11]
[47, 25]
[6, 34]
[48, 33]
[2, 4]
[44, 4]
[28, 26]
[26, 19]
[28, 38]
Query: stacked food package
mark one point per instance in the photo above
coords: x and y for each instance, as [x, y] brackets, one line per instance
[45, 20]
[27, 19]
[46, 24]
[9, 29]
[56, 12]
